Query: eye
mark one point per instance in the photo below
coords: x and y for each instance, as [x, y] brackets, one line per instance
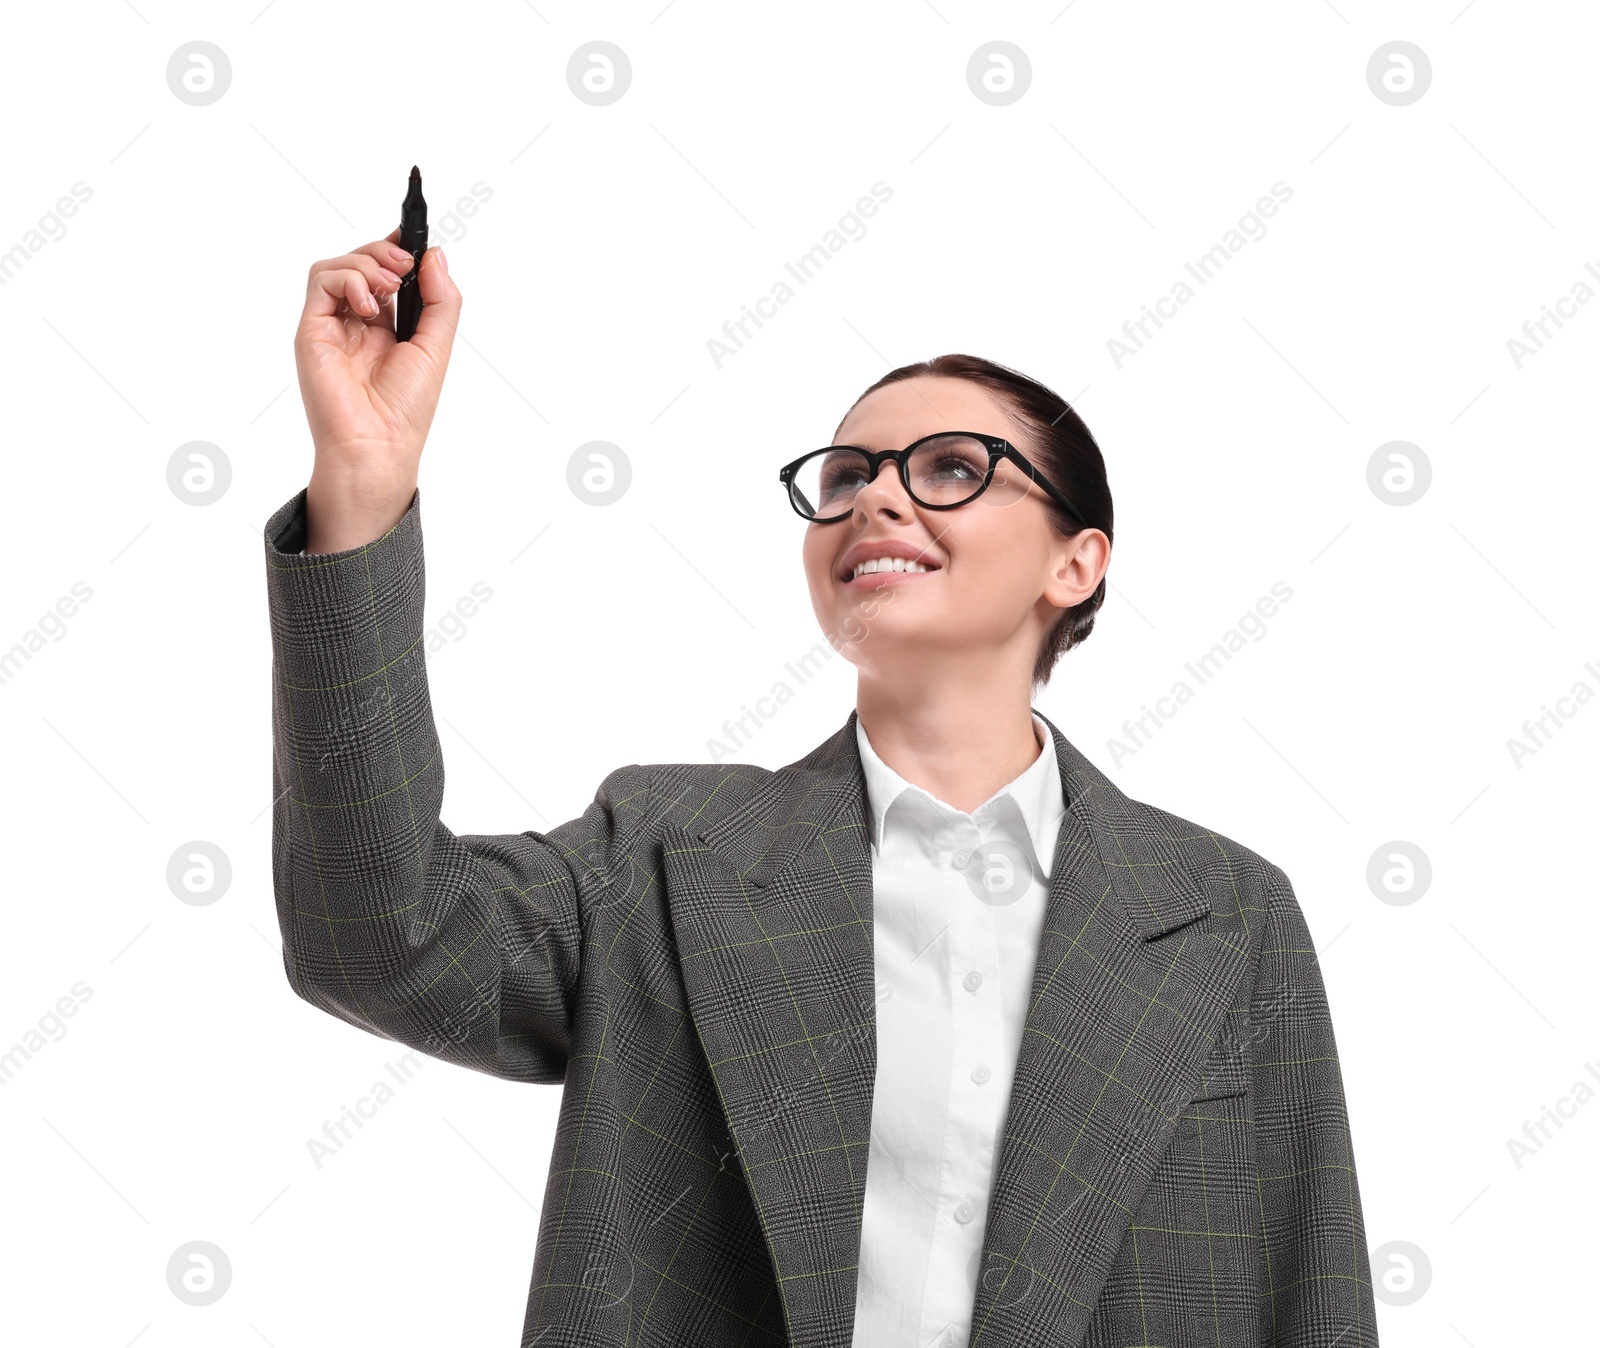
[842, 473]
[839, 477]
[956, 466]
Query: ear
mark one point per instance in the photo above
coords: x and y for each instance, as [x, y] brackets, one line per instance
[1077, 566]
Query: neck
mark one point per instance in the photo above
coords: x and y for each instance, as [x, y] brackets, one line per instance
[951, 741]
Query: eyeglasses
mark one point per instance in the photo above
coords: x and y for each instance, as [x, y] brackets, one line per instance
[940, 471]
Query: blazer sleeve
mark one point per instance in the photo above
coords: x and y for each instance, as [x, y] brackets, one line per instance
[466, 947]
[1317, 1267]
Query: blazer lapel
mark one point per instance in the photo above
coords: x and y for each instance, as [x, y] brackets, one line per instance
[771, 910]
[771, 906]
[1129, 996]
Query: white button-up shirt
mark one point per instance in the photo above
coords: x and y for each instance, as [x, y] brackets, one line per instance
[958, 903]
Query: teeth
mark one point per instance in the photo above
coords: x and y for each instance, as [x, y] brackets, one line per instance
[887, 564]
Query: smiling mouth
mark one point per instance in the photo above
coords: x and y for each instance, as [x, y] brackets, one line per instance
[872, 579]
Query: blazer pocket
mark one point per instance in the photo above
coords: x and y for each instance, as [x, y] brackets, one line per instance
[1226, 1071]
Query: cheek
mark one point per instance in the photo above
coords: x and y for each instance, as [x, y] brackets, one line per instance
[816, 561]
[991, 560]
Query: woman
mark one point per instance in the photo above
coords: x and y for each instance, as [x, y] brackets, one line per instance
[1087, 1041]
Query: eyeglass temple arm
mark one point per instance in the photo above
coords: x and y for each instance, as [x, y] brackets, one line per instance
[1011, 453]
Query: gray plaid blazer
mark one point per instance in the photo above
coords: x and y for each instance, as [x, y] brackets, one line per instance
[693, 957]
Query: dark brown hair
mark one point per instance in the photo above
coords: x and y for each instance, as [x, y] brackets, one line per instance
[1062, 448]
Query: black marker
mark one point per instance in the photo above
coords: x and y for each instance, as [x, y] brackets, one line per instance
[414, 239]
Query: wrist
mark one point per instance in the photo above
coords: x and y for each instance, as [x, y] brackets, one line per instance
[344, 512]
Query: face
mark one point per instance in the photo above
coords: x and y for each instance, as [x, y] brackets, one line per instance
[999, 574]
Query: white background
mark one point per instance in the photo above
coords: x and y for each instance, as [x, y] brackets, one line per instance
[616, 241]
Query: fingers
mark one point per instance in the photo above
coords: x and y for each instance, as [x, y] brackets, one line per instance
[364, 282]
[441, 308]
[389, 254]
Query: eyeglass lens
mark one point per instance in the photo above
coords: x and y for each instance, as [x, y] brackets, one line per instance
[945, 471]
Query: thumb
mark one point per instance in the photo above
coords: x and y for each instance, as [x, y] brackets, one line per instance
[441, 308]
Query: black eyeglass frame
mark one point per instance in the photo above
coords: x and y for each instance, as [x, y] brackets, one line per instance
[998, 447]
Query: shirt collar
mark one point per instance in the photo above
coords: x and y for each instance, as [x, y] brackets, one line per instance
[1035, 793]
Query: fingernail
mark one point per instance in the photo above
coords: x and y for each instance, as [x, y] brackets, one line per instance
[388, 276]
[399, 254]
[442, 263]
[371, 305]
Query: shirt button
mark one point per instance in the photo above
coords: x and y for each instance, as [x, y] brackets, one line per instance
[960, 858]
[980, 1074]
[964, 1212]
[973, 981]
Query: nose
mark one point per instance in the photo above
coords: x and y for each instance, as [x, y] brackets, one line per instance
[885, 488]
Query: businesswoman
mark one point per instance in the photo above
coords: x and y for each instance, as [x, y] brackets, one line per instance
[932, 1036]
